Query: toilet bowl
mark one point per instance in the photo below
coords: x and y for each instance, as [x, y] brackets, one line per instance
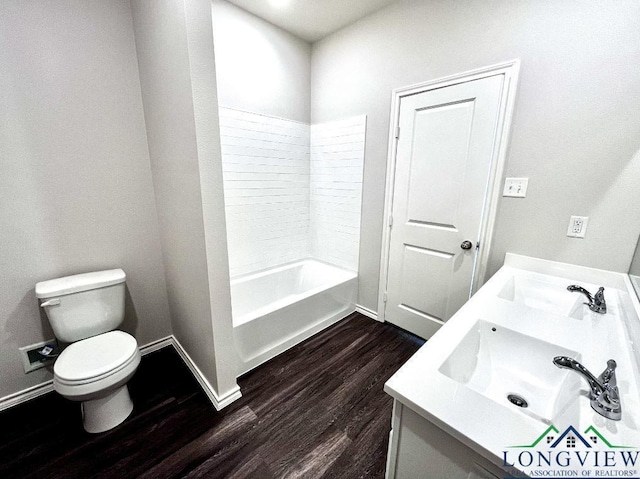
[84, 310]
[95, 371]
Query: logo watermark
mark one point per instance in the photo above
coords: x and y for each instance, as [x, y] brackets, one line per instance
[571, 454]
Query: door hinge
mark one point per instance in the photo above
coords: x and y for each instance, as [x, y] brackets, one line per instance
[384, 298]
[397, 132]
[390, 221]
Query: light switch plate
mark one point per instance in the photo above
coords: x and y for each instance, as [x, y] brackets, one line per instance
[577, 226]
[515, 187]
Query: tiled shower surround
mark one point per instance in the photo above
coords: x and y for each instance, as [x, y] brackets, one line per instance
[292, 190]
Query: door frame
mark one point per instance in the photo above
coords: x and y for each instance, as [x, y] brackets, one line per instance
[510, 70]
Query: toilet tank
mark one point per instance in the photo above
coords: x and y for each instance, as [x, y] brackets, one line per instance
[83, 305]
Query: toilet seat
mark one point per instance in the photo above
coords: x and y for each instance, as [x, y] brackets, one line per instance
[95, 358]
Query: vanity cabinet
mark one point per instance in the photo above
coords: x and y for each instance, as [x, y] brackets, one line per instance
[452, 417]
[418, 449]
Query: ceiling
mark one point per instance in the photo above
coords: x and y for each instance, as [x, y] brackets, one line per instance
[311, 20]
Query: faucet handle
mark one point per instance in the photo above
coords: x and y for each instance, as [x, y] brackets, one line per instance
[596, 303]
[599, 303]
[608, 376]
[604, 395]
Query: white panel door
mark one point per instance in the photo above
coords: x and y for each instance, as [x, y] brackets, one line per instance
[443, 160]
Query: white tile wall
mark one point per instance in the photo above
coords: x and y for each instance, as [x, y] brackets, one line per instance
[291, 191]
[265, 163]
[337, 160]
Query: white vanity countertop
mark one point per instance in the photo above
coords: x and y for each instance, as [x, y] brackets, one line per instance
[489, 426]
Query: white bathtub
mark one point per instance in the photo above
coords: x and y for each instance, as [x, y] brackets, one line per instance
[276, 309]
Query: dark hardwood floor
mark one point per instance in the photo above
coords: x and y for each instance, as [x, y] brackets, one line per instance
[316, 411]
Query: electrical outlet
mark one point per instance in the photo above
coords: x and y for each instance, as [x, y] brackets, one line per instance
[577, 226]
[31, 360]
[515, 187]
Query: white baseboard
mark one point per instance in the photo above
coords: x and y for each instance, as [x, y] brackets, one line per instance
[218, 402]
[224, 401]
[26, 394]
[155, 345]
[370, 313]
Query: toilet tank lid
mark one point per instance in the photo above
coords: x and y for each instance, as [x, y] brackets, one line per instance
[79, 282]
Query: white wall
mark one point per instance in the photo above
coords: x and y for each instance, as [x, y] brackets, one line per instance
[266, 185]
[291, 191]
[177, 73]
[261, 68]
[207, 128]
[634, 268]
[76, 192]
[635, 264]
[576, 126]
[264, 83]
[337, 159]
[263, 76]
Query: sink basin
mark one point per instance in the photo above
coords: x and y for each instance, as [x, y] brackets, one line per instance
[544, 296]
[498, 362]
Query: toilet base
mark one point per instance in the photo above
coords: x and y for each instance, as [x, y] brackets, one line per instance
[104, 413]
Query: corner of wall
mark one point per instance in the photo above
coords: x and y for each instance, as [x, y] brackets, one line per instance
[182, 131]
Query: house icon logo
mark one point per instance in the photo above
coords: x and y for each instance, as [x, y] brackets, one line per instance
[570, 436]
[571, 453]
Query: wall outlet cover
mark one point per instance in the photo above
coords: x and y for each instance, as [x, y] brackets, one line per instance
[577, 226]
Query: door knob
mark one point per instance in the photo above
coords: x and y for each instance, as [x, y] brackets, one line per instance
[466, 244]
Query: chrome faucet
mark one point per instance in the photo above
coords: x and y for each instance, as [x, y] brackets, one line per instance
[596, 303]
[604, 395]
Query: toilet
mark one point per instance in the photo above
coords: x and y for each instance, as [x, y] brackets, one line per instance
[84, 311]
